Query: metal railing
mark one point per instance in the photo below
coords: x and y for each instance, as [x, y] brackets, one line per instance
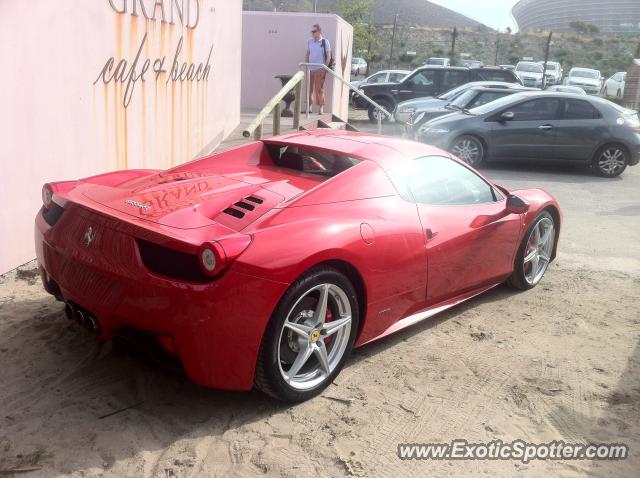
[273, 107]
[349, 85]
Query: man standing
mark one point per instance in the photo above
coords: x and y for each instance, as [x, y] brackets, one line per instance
[318, 51]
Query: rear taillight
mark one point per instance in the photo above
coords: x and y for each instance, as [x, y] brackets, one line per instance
[216, 256]
[47, 196]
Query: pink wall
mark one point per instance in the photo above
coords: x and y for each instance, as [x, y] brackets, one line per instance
[60, 120]
[275, 43]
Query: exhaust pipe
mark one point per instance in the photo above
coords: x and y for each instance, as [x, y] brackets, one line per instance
[91, 324]
[79, 317]
[69, 311]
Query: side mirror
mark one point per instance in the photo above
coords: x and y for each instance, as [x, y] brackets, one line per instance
[515, 205]
[507, 116]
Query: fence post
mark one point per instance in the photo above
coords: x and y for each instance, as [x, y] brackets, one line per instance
[296, 106]
[276, 120]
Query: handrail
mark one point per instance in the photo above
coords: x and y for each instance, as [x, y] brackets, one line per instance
[274, 106]
[351, 87]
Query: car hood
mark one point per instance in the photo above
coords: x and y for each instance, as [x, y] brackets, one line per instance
[577, 80]
[377, 87]
[421, 104]
[192, 199]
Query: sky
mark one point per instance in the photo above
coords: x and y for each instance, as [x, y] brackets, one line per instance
[493, 13]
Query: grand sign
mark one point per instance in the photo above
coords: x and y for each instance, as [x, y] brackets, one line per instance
[187, 11]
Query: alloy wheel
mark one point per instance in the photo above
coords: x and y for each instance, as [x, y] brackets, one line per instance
[314, 336]
[611, 161]
[469, 150]
[538, 250]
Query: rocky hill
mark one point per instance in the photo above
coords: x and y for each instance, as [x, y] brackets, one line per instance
[411, 12]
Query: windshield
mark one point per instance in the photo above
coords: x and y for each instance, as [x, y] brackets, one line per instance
[494, 105]
[463, 100]
[551, 67]
[529, 67]
[585, 74]
[455, 92]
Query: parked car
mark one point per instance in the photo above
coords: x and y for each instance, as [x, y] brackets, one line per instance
[430, 81]
[384, 76]
[438, 61]
[614, 86]
[586, 78]
[508, 67]
[407, 111]
[472, 63]
[542, 125]
[472, 98]
[567, 89]
[358, 66]
[553, 73]
[263, 266]
[530, 73]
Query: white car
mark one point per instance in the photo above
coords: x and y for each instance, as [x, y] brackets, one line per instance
[358, 66]
[614, 86]
[586, 78]
[530, 73]
[438, 61]
[553, 73]
[383, 76]
[567, 89]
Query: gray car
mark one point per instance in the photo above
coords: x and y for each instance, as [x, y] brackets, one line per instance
[407, 111]
[472, 98]
[542, 126]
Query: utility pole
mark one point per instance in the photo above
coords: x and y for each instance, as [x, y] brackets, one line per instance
[315, 6]
[393, 39]
[546, 58]
[454, 35]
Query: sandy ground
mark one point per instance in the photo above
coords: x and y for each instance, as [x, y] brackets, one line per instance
[560, 362]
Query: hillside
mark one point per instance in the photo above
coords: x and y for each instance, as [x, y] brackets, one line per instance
[411, 12]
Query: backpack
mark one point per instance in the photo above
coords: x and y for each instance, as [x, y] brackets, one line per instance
[331, 62]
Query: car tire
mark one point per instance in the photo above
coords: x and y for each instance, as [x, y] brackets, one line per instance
[610, 161]
[534, 256]
[299, 336]
[373, 111]
[469, 149]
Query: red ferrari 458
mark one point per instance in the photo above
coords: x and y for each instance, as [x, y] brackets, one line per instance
[266, 264]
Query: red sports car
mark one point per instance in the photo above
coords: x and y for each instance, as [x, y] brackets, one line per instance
[266, 264]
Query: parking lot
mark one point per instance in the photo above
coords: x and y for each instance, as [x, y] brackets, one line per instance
[559, 362]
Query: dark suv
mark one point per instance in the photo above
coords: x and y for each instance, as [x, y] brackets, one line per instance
[430, 81]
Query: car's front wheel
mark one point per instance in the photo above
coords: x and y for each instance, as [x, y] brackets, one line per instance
[469, 149]
[535, 252]
[375, 113]
[309, 337]
[610, 161]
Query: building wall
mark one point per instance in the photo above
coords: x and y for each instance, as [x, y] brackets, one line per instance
[275, 43]
[91, 87]
[610, 16]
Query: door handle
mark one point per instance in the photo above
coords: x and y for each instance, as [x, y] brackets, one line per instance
[430, 233]
[545, 126]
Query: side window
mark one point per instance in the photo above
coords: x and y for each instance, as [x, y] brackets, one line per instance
[396, 77]
[437, 180]
[536, 110]
[377, 78]
[422, 79]
[577, 109]
[453, 78]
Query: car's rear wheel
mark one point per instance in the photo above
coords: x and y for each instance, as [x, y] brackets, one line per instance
[534, 254]
[309, 337]
[469, 149]
[374, 112]
[610, 161]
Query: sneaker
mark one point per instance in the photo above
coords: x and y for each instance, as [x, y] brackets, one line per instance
[321, 110]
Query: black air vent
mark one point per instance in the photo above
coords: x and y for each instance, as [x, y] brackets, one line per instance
[53, 214]
[254, 199]
[245, 205]
[234, 212]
